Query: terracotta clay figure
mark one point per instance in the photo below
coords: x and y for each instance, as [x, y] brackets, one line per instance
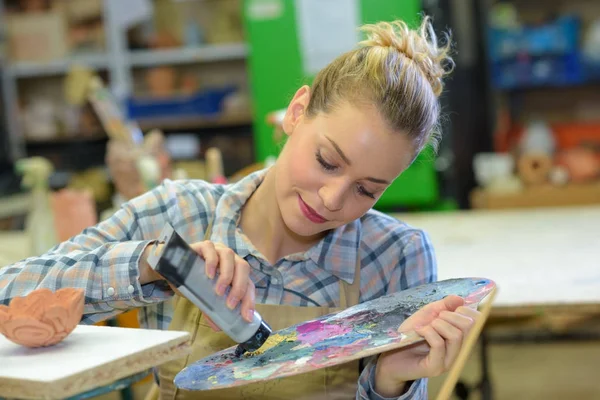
[42, 318]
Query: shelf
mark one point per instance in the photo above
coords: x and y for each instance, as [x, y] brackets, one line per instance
[180, 123]
[592, 83]
[140, 58]
[165, 123]
[96, 136]
[573, 194]
[57, 67]
[186, 55]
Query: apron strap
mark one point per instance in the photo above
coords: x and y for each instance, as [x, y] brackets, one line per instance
[208, 231]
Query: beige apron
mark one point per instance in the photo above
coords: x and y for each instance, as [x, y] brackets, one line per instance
[339, 382]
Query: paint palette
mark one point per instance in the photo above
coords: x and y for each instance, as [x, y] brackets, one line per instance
[366, 329]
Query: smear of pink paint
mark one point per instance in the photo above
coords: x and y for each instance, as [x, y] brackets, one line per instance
[316, 331]
[322, 357]
[309, 327]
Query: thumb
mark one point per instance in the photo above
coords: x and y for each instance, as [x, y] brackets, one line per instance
[452, 302]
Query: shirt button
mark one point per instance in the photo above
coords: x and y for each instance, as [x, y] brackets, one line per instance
[110, 291]
[130, 289]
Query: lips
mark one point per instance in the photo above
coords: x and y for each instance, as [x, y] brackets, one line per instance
[309, 213]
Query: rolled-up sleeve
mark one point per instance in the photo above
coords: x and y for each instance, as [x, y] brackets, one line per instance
[407, 259]
[103, 260]
[417, 390]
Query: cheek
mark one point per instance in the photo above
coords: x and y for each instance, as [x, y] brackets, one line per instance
[356, 208]
[302, 168]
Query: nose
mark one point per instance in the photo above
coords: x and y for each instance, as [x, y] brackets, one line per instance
[332, 195]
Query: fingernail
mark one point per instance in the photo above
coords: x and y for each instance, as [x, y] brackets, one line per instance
[211, 272]
[232, 302]
[221, 289]
[250, 315]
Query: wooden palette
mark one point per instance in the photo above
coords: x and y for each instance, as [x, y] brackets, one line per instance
[363, 330]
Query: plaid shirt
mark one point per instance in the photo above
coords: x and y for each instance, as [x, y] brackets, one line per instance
[103, 259]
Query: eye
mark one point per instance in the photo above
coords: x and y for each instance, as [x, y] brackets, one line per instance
[326, 166]
[364, 192]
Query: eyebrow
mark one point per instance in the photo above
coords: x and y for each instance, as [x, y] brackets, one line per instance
[347, 161]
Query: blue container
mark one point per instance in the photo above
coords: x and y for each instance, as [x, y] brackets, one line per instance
[206, 103]
[548, 70]
[543, 55]
[560, 36]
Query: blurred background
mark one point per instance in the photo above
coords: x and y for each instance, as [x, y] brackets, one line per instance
[520, 108]
[211, 77]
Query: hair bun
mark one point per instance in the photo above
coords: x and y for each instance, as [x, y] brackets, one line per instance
[419, 45]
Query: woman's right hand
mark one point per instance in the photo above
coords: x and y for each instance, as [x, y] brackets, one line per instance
[233, 272]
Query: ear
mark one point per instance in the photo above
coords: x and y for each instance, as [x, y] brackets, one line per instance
[296, 109]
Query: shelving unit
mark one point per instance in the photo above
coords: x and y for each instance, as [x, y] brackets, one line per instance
[119, 64]
[55, 67]
[196, 122]
[211, 53]
[554, 99]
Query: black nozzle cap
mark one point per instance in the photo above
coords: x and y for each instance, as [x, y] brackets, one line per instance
[256, 341]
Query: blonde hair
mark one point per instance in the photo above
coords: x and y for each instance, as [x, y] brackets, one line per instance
[397, 69]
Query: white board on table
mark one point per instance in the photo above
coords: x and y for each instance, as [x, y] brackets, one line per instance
[89, 358]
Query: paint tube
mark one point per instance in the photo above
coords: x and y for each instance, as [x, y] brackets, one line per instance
[184, 269]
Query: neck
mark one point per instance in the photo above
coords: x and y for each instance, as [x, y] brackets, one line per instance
[262, 223]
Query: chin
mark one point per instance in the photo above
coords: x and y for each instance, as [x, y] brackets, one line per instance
[300, 226]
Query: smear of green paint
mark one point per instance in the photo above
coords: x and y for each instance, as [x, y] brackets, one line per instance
[256, 373]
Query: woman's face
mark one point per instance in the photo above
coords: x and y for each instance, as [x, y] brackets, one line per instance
[335, 166]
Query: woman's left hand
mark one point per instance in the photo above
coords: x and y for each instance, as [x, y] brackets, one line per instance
[443, 324]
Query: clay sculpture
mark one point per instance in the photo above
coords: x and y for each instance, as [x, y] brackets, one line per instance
[42, 318]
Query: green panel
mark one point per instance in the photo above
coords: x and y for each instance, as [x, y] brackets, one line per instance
[275, 66]
[389, 10]
[417, 186]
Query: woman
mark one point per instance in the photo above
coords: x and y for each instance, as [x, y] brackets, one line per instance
[297, 240]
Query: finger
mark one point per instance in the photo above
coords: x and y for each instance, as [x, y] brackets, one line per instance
[453, 338]
[452, 302]
[425, 315]
[461, 321]
[469, 312]
[248, 302]
[226, 269]
[239, 285]
[208, 252]
[434, 364]
[448, 303]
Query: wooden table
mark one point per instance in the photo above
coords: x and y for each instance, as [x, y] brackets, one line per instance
[545, 262]
[538, 258]
[91, 360]
[115, 357]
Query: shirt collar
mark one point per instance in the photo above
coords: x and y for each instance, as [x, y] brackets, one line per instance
[336, 253]
[227, 214]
